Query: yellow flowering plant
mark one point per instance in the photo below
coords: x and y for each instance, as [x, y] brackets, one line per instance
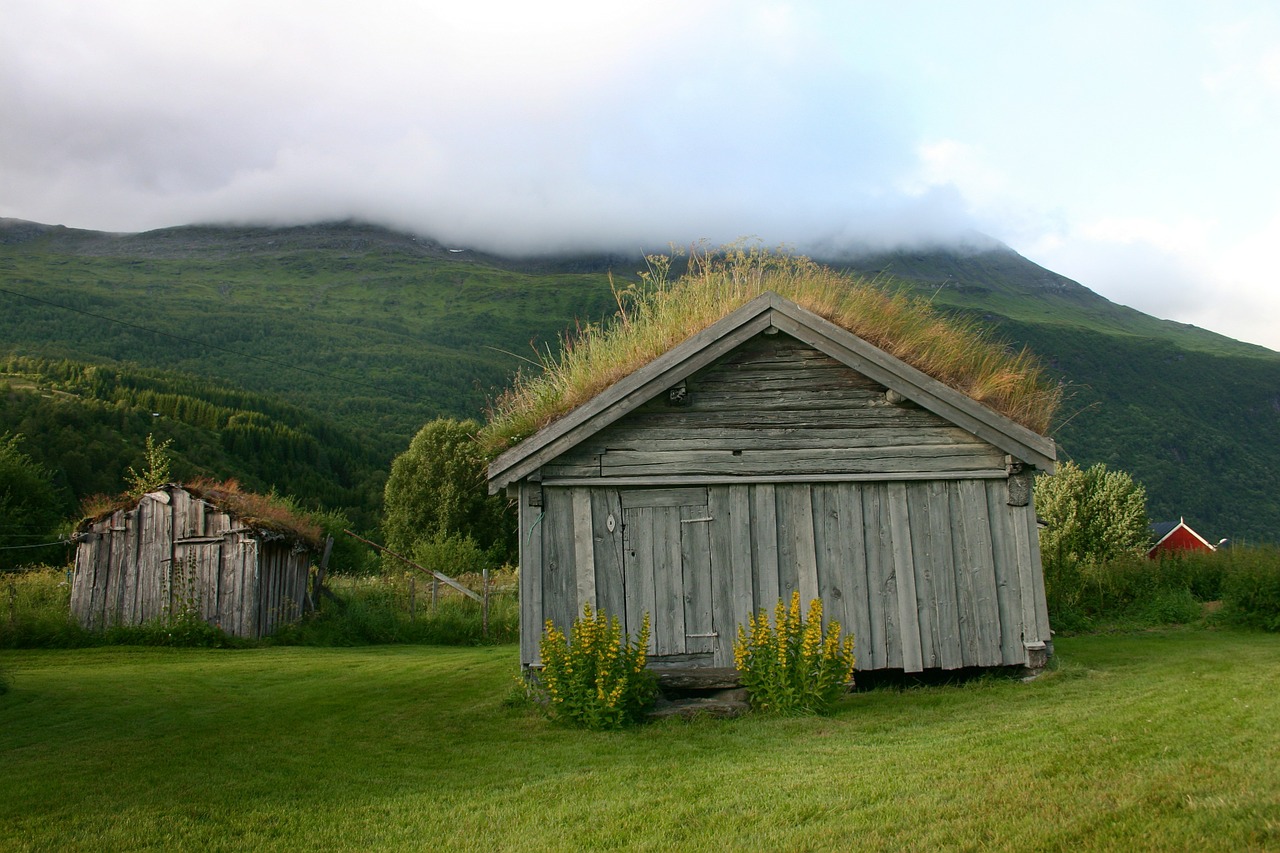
[793, 666]
[596, 677]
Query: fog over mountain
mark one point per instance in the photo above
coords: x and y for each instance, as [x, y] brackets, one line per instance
[571, 126]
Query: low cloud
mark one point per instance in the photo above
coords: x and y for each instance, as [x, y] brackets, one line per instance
[523, 134]
[623, 126]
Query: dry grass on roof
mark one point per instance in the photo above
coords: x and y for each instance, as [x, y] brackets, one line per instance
[264, 512]
[658, 314]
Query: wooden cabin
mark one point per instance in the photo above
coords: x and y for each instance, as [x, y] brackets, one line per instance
[1175, 536]
[775, 451]
[176, 545]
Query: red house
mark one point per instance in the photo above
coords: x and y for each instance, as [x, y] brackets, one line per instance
[1176, 536]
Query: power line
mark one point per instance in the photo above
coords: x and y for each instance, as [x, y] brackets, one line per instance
[41, 545]
[184, 340]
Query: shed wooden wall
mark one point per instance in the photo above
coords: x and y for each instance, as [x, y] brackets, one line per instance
[926, 574]
[778, 468]
[134, 565]
[777, 408]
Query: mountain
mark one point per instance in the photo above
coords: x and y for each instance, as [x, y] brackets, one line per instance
[353, 331]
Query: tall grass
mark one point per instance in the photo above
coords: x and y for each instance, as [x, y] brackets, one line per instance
[35, 610]
[366, 610]
[659, 313]
[401, 608]
[1239, 586]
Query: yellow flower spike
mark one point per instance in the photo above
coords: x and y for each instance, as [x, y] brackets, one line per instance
[795, 665]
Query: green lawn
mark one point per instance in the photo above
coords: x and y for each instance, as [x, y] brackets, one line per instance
[1164, 740]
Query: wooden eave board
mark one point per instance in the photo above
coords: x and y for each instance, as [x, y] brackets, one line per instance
[769, 310]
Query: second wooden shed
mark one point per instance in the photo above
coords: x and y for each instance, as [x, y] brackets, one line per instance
[181, 546]
[772, 452]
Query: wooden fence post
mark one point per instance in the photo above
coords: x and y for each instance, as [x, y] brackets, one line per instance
[484, 605]
[320, 572]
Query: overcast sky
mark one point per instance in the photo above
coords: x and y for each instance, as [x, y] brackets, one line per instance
[1132, 146]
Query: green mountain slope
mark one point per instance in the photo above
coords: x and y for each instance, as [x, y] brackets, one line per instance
[370, 333]
[1193, 415]
[1002, 283]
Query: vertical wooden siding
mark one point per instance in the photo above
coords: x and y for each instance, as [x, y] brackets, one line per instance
[929, 574]
[137, 565]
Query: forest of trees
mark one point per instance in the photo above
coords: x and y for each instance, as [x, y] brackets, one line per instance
[86, 425]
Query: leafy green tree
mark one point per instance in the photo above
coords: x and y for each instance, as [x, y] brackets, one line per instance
[1092, 515]
[437, 490]
[30, 507]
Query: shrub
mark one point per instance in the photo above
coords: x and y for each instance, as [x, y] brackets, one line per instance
[596, 678]
[34, 613]
[792, 667]
[1131, 590]
[1169, 606]
[448, 553]
[1251, 588]
[436, 489]
[179, 631]
[1092, 515]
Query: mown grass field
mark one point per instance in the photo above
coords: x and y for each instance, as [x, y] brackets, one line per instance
[1158, 740]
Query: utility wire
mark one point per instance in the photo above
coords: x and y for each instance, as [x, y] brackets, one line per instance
[184, 340]
[41, 545]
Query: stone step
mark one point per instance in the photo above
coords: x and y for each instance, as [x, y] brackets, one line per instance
[723, 703]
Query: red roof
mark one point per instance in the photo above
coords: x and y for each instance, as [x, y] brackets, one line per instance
[1177, 537]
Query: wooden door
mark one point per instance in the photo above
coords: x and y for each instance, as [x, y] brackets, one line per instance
[666, 570]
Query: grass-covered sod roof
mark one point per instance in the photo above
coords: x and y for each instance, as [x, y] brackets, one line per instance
[268, 513]
[659, 313]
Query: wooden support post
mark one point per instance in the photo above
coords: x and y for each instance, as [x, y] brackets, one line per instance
[320, 572]
[412, 599]
[435, 594]
[484, 605]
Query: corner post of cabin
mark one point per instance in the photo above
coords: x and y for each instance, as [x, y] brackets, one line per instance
[1036, 637]
[530, 517]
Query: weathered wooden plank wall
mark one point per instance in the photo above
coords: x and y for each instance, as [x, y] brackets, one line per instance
[936, 574]
[776, 407]
[782, 469]
[137, 565]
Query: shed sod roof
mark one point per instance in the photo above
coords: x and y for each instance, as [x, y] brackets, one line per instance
[769, 311]
[265, 514]
[661, 314]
